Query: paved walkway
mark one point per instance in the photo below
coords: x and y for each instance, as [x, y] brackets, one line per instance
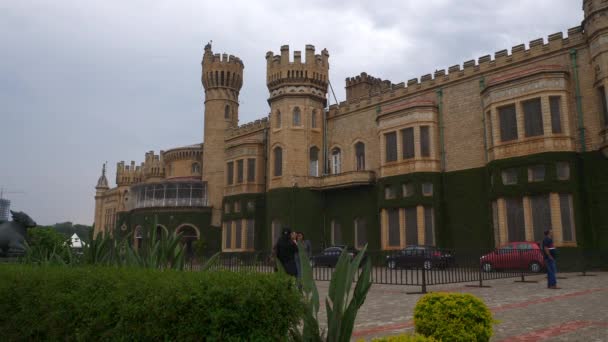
[526, 311]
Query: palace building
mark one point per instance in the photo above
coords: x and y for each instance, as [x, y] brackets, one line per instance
[493, 150]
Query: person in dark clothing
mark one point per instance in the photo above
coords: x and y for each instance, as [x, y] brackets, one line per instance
[549, 254]
[286, 250]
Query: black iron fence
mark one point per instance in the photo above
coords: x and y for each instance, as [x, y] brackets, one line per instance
[426, 267]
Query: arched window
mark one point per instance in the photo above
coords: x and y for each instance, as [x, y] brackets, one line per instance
[278, 119]
[335, 161]
[314, 161]
[227, 112]
[297, 120]
[313, 119]
[189, 235]
[196, 168]
[360, 156]
[278, 161]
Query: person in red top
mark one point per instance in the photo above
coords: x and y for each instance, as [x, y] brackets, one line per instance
[549, 254]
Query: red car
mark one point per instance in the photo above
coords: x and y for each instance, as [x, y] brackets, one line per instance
[514, 256]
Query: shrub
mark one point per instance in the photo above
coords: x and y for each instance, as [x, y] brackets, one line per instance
[405, 338]
[453, 317]
[103, 303]
[46, 245]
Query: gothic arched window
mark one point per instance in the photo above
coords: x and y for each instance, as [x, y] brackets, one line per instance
[278, 161]
[314, 161]
[297, 120]
[360, 155]
[335, 161]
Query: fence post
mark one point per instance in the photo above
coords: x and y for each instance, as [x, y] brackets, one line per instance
[522, 271]
[480, 275]
[423, 279]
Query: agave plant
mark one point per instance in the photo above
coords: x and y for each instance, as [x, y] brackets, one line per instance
[164, 251]
[341, 304]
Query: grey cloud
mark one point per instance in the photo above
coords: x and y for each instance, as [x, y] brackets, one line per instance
[85, 82]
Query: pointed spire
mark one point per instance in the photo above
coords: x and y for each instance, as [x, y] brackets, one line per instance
[102, 182]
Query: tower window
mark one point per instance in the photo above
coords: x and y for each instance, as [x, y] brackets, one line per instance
[335, 158]
[360, 155]
[297, 120]
[314, 161]
[313, 119]
[278, 119]
[278, 161]
[227, 112]
[196, 168]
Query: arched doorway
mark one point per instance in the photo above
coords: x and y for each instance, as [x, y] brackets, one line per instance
[189, 235]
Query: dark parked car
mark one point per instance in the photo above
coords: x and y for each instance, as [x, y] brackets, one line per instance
[514, 256]
[425, 257]
[329, 257]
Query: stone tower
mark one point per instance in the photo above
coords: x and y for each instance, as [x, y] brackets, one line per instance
[595, 26]
[297, 99]
[101, 187]
[222, 78]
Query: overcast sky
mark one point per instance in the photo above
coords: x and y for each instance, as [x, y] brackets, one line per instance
[83, 82]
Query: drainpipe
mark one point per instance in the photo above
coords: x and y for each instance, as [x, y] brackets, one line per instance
[482, 86]
[579, 106]
[443, 205]
[581, 127]
[440, 118]
[325, 154]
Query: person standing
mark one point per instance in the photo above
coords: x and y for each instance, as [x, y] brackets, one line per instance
[549, 254]
[286, 250]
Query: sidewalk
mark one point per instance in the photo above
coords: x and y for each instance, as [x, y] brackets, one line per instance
[526, 311]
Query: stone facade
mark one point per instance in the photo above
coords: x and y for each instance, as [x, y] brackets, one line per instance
[403, 141]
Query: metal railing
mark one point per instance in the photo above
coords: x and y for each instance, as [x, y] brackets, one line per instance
[428, 268]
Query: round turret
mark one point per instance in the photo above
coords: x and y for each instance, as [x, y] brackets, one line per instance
[309, 78]
[221, 71]
[297, 101]
[222, 78]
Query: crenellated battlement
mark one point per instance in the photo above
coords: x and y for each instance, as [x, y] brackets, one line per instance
[247, 128]
[554, 43]
[365, 85]
[128, 174]
[221, 70]
[280, 71]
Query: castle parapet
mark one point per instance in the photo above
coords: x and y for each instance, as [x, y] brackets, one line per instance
[365, 85]
[370, 91]
[281, 72]
[247, 128]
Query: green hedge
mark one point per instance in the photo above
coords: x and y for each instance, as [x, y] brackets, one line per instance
[95, 303]
[453, 317]
[405, 338]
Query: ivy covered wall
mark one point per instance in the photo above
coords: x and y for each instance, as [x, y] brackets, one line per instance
[170, 218]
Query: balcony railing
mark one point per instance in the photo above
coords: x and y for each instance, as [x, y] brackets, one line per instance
[344, 180]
